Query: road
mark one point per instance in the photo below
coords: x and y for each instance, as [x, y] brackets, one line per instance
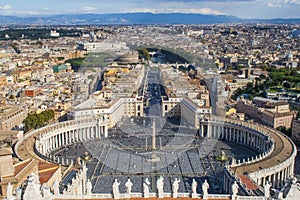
[211, 83]
[217, 95]
[153, 93]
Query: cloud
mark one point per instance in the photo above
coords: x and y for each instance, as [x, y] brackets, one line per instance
[276, 4]
[5, 7]
[272, 5]
[281, 3]
[206, 11]
[164, 6]
[296, 2]
[88, 8]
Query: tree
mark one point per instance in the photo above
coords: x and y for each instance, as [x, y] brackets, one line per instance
[264, 67]
[144, 53]
[75, 63]
[262, 76]
[34, 121]
[237, 93]
[30, 122]
[286, 84]
[283, 129]
[41, 118]
[39, 43]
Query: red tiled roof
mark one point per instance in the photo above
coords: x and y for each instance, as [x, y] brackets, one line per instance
[44, 165]
[46, 171]
[46, 175]
[248, 182]
[18, 167]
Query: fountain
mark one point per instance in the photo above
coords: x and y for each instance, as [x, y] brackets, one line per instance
[222, 157]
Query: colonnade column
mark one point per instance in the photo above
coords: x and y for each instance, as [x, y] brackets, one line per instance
[219, 132]
[105, 131]
[202, 130]
[58, 140]
[281, 178]
[262, 181]
[66, 136]
[208, 130]
[222, 131]
[51, 143]
[63, 138]
[73, 135]
[76, 135]
[277, 182]
[284, 174]
[99, 131]
[80, 134]
[273, 180]
[47, 145]
[55, 141]
[292, 167]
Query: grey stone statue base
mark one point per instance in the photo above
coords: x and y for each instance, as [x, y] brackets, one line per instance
[194, 196]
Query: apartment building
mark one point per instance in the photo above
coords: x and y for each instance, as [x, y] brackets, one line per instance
[11, 116]
[269, 112]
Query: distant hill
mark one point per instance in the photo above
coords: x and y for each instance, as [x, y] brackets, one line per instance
[123, 18]
[132, 18]
[280, 21]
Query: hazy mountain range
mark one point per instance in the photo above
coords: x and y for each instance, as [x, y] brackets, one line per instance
[132, 18]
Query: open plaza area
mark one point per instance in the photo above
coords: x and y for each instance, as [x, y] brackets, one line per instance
[178, 153]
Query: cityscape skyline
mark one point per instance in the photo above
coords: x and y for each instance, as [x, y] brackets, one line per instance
[259, 9]
[136, 111]
[150, 99]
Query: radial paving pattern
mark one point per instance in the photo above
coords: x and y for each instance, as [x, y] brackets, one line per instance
[181, 155]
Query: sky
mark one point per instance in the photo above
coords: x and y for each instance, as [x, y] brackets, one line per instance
[247, 9]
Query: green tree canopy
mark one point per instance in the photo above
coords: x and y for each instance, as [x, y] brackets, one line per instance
[34, 121]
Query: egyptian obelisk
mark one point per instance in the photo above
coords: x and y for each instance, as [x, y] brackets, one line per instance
[153, 136]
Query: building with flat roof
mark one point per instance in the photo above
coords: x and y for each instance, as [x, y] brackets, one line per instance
[11, 116]
[93, 47]
[269, 112]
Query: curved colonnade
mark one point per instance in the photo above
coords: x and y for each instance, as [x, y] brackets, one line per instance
[277, 152]
[275, 162]
[56, 136]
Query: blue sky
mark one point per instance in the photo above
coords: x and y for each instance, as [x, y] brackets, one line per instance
[240, 8]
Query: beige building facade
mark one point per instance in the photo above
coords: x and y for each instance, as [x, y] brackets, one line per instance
[11, 116]
[275, 114]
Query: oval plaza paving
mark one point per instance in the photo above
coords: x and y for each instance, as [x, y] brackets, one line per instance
[258, 154]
